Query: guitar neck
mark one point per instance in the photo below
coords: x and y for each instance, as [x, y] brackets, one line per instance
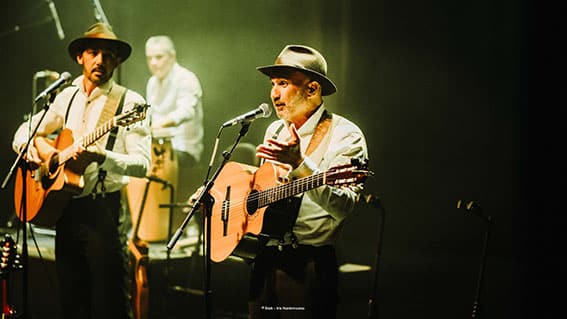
[67, 153]
[298, 186]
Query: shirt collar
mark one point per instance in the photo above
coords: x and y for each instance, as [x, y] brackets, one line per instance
[168, 78]
[309, 126]
[99, 90]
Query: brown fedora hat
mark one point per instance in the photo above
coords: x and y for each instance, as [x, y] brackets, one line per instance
[305, 59]
[99, 34]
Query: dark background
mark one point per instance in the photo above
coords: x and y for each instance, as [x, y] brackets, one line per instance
[439, 87]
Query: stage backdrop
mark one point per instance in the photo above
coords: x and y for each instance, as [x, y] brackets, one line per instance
[438, 87]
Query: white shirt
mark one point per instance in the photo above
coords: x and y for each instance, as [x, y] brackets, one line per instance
[323, 209]
[178, 97]
[131, 153]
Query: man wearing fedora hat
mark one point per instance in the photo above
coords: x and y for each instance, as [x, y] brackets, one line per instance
[90, 243]
[297, 276]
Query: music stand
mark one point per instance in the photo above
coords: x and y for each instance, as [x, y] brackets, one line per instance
[206, 200]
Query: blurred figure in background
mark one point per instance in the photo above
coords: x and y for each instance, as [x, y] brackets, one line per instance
[175, 96]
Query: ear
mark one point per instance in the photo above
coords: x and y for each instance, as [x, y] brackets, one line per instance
[79, 58]
[312, 87]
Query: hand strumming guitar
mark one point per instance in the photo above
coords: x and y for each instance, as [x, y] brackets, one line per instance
[42, 151]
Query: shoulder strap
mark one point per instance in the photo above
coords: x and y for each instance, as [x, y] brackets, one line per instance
[69, 106]
[113, 106]
[112, 135]
[320, 132]
[277, 132]
[319, 135]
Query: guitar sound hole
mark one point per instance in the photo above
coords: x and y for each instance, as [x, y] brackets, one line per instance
[53, 163]
[252, 202]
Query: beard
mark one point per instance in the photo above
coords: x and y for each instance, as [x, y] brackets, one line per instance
[102, 78]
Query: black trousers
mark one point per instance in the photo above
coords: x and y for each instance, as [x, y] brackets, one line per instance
[294, 283]
[91, 259]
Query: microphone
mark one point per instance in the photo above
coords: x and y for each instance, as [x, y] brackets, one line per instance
[56, 19]
[52, 75]
[64, 78]
[264, 110]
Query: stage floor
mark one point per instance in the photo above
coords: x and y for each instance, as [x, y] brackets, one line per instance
[175, 283]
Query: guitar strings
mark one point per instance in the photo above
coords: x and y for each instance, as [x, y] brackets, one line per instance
[273, 194]
[276, 193]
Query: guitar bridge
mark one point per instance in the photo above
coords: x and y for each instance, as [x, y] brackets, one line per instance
[225, 212]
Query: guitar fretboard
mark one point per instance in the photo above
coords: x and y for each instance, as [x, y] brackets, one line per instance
[298, 186]
[87, 140]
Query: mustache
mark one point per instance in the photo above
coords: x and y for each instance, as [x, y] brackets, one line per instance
[99, 69]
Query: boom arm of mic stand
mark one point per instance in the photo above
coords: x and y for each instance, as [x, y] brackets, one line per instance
[99, 13]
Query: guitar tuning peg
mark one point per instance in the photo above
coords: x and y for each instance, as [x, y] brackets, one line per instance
[355, 161]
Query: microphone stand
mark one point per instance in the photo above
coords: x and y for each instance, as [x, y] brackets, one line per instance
[207, 200]
[375, 202]
[477, 210]
[22, 164]
[100, 16]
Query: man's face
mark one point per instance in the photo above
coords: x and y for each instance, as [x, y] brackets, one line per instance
[159, 60]
[98, 64]
[289, 96]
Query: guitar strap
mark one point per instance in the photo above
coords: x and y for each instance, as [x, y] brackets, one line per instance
[319, 135]
[113, 106]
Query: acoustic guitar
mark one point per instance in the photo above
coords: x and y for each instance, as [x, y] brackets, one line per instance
[241, 194]
[49, 187]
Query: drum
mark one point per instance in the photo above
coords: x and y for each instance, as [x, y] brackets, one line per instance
[154, 225]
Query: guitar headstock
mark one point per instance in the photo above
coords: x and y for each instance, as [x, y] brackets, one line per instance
[10, 260]
[353, 174]
[136, 114]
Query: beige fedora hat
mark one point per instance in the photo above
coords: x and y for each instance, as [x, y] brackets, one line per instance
[99, 34]
[305, 59]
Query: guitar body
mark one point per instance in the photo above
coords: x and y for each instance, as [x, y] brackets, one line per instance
[46, 193]
[50, 187]
[230, 216]
[140, 287]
